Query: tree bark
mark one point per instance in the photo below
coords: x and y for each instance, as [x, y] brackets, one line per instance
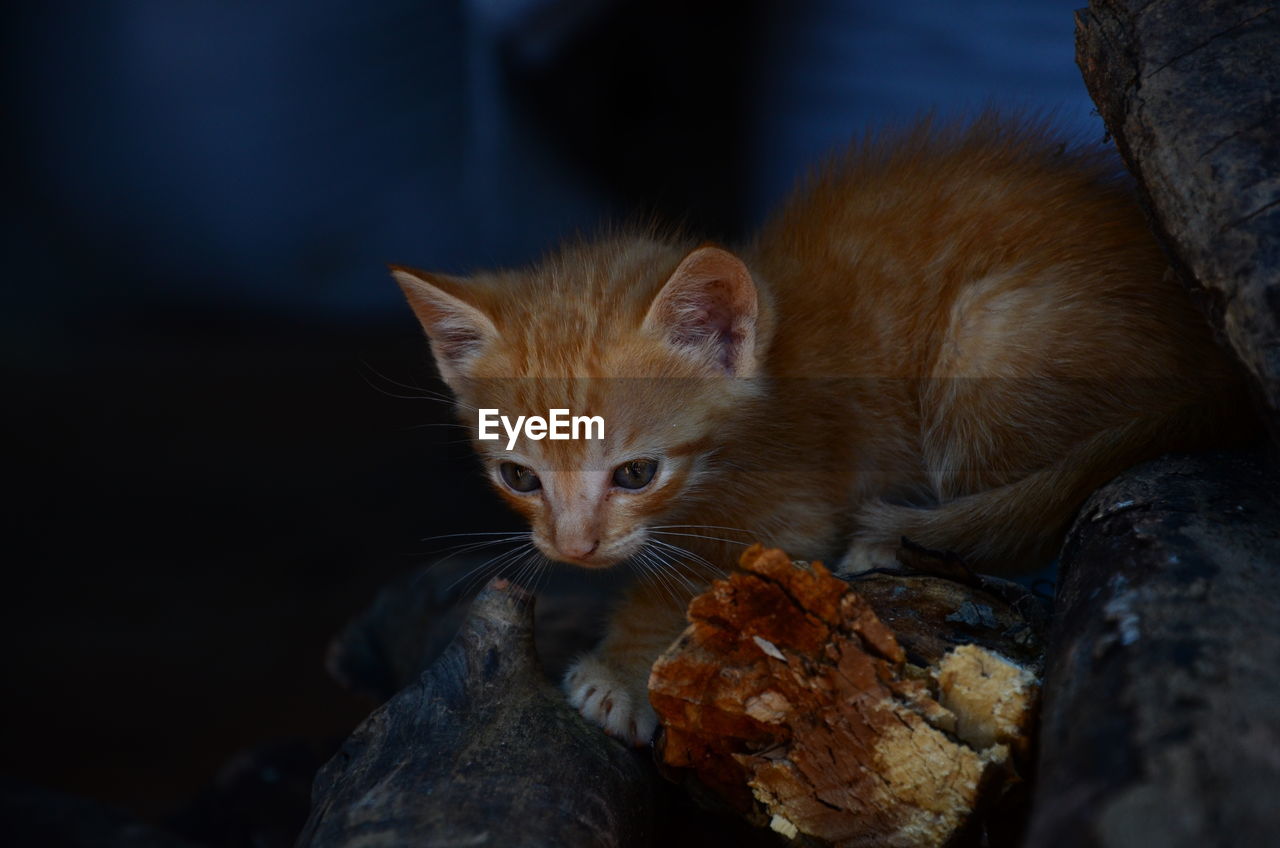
[1160, 722]
[1191, 93]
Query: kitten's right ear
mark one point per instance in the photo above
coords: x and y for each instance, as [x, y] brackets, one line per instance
[456, 329]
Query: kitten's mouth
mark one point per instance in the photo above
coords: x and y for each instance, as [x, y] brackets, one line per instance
[602, 557]
[595, 559]
[587, 562]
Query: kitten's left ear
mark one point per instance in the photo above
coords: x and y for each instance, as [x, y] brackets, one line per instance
[710, 307]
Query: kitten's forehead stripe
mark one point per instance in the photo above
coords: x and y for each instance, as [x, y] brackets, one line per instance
[560, 318]
[689, 448]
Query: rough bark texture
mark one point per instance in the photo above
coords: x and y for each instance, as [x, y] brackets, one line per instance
[1162, 700]
[1191, 92]
[482, 750]
[790, 698]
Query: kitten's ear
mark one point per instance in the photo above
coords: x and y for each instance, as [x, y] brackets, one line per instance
[456, 329]
[710, 307]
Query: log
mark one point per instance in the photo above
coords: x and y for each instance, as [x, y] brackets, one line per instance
[415, 617]
[482, 749]
[1190, 92]
[1161, 724]
[791, 698]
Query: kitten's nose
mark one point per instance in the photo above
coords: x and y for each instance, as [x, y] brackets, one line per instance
[579, 548]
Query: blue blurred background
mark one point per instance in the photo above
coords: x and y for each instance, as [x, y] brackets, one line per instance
[203, 347]
[272, 156]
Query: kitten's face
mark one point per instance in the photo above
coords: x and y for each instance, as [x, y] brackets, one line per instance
[590, 501]
[661, 356]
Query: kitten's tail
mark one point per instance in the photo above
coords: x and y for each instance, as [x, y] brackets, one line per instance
[1018, 528]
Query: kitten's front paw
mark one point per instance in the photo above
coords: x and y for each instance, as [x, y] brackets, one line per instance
[865, 555]
[605, 697]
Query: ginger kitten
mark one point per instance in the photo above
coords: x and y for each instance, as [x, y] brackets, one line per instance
[946, 336]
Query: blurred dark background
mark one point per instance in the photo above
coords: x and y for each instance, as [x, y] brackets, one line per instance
[217, 448]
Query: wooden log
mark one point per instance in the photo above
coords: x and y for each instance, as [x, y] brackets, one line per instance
[415, 617]
[1190, 92]
[1162, 698]
[789, 698]
[482, 749]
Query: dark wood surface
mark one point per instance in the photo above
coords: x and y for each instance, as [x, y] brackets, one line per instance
[1191, 93]
[482, 749]
[1161, 721]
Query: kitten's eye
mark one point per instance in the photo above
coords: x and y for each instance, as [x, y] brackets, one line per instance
[634, 474]
[519, 478]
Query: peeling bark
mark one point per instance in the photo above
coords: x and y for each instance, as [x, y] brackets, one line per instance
[792, 700]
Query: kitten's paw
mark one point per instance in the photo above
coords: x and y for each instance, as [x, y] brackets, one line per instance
[604, 697]
[866, 555]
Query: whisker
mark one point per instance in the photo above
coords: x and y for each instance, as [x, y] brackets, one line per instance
[695, 570]
[528, 573]
[420, 393]
[544, 568]
[700, 536]
[641, 559]
[475, 533]
[675, 565]
[481, 574]
[453, 424]
[452, 553]
[656, 579]
[645, 573]
[542, 573]
[458, 550]
[682, 590]
[670, 577]
[701, 527]
[492, 565]
[699, 561]
[514, 570]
